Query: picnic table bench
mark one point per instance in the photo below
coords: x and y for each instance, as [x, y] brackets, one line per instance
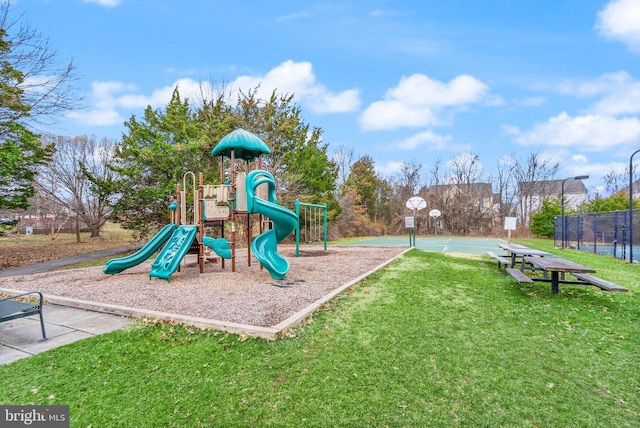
[598, 282]
[501, 260]
[518, 275]
[18, 306]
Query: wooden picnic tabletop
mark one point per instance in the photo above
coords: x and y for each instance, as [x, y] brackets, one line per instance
[557, 264]
[529, 252]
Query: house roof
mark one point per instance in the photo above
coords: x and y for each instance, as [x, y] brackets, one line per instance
[485, 189]
[552, 187]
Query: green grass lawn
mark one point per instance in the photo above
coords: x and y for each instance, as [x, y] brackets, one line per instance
[432, 340]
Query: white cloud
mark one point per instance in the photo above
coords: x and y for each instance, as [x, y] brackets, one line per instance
[419, 100]
[104, 99]
[298, 78]
[343, 102]
[294, 16]
[607, 83]
[389, 168]
[623, 101]
[595, 171]
[510, 130]
[420, 90]
[426, 137]
[395, 114]
[110, 101]
[188, 88]
[96, 117]
[619, 20]
[105, 3]
[533, 101]
[579, 158]
[588, 132]
[619, 93]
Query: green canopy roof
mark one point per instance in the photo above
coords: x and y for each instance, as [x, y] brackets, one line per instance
[245, 144]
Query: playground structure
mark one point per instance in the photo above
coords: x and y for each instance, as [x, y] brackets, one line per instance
[241, 194]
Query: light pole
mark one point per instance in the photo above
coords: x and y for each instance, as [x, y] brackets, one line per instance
[631, 206]
[578, 177]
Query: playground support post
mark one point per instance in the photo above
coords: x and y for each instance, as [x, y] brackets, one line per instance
[233, 202]
[323, 207]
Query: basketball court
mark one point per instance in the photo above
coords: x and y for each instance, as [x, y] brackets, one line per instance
[436, 244]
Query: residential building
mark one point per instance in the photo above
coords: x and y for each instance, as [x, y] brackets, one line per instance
[531, 194]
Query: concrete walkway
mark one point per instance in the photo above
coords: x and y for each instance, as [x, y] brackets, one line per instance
[22, 338]
[63, 325]
[67, 261]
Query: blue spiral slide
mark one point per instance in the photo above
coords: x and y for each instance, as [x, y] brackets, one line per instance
[265, 245]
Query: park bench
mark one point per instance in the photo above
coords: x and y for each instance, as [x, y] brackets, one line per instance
[502, 261]
[601, 283]
[518, 275]
[19, 306]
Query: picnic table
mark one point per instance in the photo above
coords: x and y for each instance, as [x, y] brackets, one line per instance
[519, 252]
[558, 267]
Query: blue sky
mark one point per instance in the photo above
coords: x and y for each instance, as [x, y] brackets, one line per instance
[400, 81]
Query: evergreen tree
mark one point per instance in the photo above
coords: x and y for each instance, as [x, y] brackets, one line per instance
[152, 158]
[157, 151]
[364, 181]
[542, 222]
[298, 158]
[21, 152]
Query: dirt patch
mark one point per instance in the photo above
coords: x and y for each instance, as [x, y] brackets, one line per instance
[248, 296]
[20, 250]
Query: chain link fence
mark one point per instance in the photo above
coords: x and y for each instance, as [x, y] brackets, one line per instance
[606, 233]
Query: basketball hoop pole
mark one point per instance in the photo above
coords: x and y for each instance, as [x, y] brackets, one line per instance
[414, 227]
[414, 203]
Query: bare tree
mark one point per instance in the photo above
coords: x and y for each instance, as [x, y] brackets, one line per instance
[469, 198]
[47, 186]
[466, 169]
[46, 84]
[77, 159]
[614, 181]
[506, 186]
[406, 185]
[344, 159]
[409, 180]
[531, 176]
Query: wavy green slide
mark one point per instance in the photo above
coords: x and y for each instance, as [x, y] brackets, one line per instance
[172, 254]
[264, 246]
[114, 266]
